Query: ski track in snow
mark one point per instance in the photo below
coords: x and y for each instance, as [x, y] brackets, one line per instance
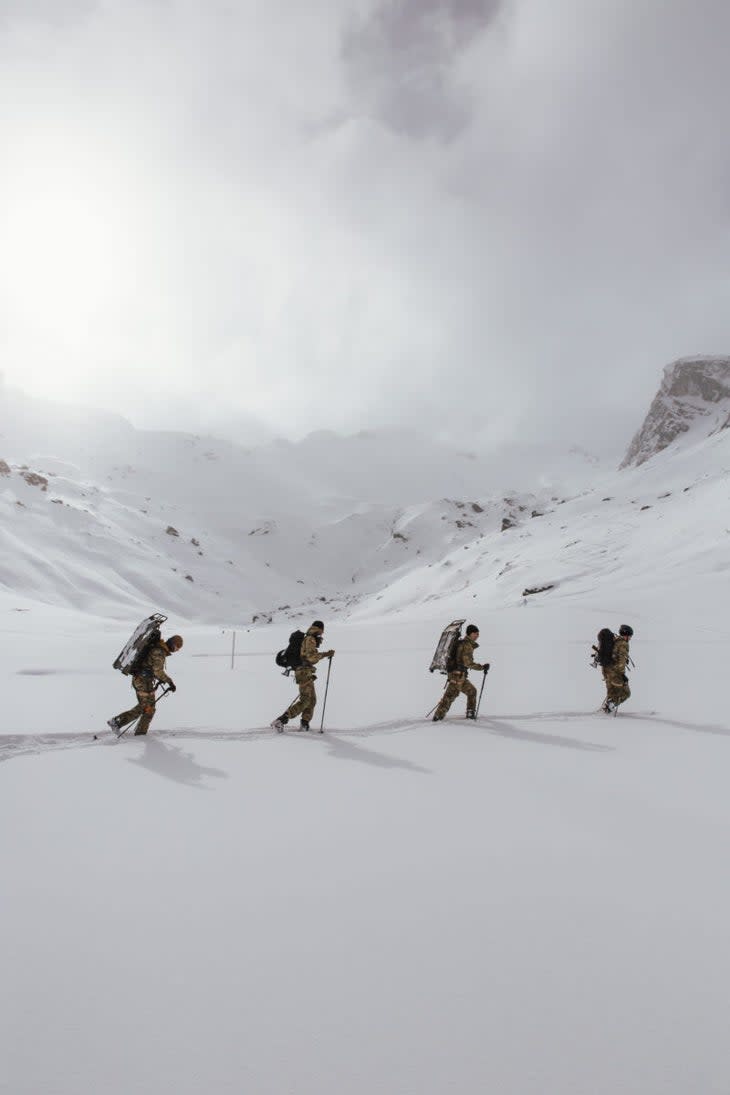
[506, 726]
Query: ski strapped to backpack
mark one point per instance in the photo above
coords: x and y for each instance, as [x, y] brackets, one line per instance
[138, 646]
[443, 660]
[291, 657]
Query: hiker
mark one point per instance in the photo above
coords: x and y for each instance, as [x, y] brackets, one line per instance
[458, 676]
[150, 673]
[612, 654]
[305, 677]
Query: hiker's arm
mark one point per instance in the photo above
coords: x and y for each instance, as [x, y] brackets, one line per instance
[468, 660]
[157, 665]
[310, 653]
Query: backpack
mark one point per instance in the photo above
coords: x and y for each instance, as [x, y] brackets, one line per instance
[453, 656]
[446, 648]
[291, 656]
[604, 650]
[138, 646]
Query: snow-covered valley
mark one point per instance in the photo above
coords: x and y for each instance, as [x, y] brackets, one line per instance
[533, 903]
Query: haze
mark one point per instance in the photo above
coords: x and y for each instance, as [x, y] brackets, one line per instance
[477, 217]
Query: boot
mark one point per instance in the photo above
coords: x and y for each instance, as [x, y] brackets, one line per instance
[280, 723]
[114, 725]
[437, 718]
[303, 725]
[471, 714]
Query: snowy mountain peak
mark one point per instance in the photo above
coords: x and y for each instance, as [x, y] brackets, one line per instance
[693, 400]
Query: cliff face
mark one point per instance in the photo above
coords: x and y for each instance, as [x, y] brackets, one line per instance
[694, 397]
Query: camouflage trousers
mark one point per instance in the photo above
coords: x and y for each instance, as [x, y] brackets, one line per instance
[305, 678]
[617, 686]
[457, 682]
[145, 709]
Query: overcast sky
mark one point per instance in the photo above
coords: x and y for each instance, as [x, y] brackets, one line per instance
[500, 215]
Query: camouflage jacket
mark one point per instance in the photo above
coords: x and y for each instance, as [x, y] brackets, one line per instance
[465, 656]
[620, 654]
[153, 664]
[310, 653]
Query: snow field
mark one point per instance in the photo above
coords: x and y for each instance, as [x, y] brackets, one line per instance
[533, 904]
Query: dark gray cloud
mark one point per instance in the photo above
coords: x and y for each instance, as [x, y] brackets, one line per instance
[400, 61]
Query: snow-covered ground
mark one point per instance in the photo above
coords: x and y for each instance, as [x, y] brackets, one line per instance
[535, 904]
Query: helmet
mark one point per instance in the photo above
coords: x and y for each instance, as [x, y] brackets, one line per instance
[626, 630]
[174, 642]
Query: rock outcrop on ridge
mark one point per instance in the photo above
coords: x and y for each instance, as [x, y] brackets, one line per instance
[694, 396]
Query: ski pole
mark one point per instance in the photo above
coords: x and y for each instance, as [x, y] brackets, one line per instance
[324, 701]
[429, 713]
[479, 702]
[136, 723]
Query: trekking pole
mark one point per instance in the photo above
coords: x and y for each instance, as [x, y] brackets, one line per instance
[429, 713]
[324, 701]
[479, 702]
[136, 723]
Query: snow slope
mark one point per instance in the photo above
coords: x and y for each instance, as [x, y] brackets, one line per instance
[99, 516]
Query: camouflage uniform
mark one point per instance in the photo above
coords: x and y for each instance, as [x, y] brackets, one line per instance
[458, 680]
[617, 685]
[151, 671]
[305, 677]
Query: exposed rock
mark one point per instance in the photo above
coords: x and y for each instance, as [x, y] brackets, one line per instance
[171, 531]
[537, 589]
[695, 392]
[33, 479]
[507, 523]
[4, 468]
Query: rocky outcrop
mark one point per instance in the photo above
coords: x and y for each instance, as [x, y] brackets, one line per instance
[694, 395]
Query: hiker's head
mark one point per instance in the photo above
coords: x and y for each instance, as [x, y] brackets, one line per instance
[472, 631]
[626, 630]
[174, 643]
[318, 625]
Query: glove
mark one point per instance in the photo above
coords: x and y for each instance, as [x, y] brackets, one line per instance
[485, 667]
[172, 687]
[330, 654]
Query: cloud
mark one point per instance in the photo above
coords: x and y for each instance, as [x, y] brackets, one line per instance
[470, 216]
[57, 13]
[400, 58]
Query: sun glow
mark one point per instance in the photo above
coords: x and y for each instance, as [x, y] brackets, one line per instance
[66, 255]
